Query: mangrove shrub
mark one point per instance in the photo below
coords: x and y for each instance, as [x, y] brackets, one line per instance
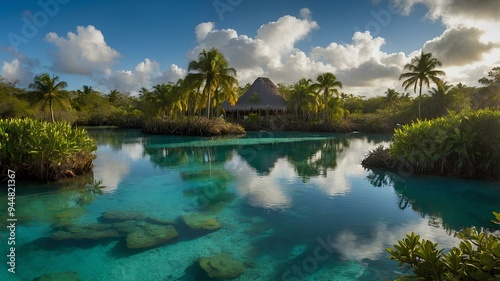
[44, 151]
[465, 144]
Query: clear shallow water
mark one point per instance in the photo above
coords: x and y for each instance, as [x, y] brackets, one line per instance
[293, 207]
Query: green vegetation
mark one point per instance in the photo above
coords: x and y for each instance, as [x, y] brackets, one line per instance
[48, 91]
[458, 145]
[476, 258]
[199, 126]
[313, 105]
[218, 78]
[421, 69]
[44, 151]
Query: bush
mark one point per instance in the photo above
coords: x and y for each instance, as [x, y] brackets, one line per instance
[379, 158]
[476, 258]
[44, 151]
[371, 122]
[193, 126]
[466, 144]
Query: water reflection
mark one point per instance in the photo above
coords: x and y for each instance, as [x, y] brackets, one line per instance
[261, 164]
[116, 149]
[454, 204]
[266, 192]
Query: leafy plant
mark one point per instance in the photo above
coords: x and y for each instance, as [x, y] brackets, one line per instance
[44, 151]
[458, 144]
[476, 258]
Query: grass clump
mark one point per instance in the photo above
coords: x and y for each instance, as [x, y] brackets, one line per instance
[193, 126]
[44, 151]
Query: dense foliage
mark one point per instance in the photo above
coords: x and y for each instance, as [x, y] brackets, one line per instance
[44, 151]
[315, 103]
[463, 144]
[476, 258]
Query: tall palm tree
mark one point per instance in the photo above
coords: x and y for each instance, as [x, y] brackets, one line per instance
[391, 95]
[327, 85]
[212, 69]
[421, 71]
[439, 96]
[49, 90]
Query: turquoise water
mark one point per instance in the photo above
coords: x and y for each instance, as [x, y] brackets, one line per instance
[293, 206]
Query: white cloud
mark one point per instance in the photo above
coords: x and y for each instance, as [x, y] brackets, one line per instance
[471, 42]
[85, 52]
[144, 75]
[172, 74]
[16, 71]
[273, 53]
[203, 29]
[347, 56]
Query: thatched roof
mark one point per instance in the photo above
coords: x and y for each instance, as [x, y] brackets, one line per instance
[262, 95]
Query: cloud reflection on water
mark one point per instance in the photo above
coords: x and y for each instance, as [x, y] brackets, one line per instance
[261, 191]
[112, 165]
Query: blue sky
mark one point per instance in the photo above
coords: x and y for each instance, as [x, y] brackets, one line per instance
[127, 45]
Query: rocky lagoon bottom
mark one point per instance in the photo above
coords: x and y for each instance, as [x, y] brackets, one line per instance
[266, 206]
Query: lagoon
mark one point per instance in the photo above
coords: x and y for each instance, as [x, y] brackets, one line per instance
[293, 206]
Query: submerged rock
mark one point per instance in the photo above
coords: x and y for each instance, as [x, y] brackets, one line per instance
[156, 220]
[68, 215]
[60, 276]
[128, 226]
[150, 235]
[200, 221]
[122, 215]
[222, 266]
[92, 232]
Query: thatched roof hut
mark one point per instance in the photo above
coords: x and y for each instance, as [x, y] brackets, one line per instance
[262, 95]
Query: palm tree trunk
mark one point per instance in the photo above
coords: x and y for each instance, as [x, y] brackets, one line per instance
[51, 111]
[208, 105]
[325, 108]
[419, 100]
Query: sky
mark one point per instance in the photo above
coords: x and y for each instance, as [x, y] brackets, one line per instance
[127, 45]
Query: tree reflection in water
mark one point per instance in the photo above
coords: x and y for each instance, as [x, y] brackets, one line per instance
[446, 201]
[309, 157]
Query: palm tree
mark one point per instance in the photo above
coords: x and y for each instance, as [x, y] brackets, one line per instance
[303, 97]
[48, 90]
[213, 70]
[439, 95]
[87, 90]
[391, 95]
[327, 84]
[421, 70]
